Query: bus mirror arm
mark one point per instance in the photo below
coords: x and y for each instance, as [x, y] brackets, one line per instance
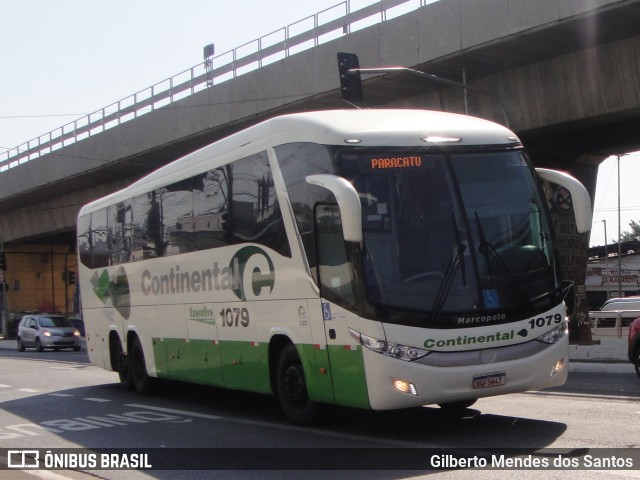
[348, 202]
[580, 198]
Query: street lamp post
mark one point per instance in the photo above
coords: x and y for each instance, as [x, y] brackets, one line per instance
[4, 315]
[606, 258]
[619, 237]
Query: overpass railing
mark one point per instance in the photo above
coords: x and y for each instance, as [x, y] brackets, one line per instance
[612, 323]
[299, 36]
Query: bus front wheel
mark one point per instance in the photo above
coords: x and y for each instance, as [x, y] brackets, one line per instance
[456, 408]
[292, 388]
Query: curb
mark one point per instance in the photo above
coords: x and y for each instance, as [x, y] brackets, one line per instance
[600, 367]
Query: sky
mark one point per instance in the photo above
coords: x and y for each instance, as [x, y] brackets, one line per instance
[61, 60]
[606, 197]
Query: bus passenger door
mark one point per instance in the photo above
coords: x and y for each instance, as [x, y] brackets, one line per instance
[337, 306]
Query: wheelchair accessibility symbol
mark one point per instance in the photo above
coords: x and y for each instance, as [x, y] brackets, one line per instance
[490, 299]
[326, 311]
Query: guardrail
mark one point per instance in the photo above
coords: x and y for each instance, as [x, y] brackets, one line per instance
[612, 323]
[281, 43]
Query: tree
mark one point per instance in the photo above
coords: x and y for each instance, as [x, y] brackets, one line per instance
[633, 235]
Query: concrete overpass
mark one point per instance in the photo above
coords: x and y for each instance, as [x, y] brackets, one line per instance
[566, 71]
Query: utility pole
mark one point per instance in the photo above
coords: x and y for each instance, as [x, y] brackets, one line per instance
[620, 294]
[5, 306]
[606, 259]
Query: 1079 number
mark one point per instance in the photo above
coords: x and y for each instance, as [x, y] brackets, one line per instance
[234, 317]
[545, 321]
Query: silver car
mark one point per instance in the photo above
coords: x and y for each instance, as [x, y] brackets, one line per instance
[48, 331]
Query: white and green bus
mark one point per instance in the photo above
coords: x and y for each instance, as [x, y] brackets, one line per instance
[380, 259]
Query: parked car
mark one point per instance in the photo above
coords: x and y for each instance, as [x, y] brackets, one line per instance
[623, 303]
[634, 344]
[47, 330]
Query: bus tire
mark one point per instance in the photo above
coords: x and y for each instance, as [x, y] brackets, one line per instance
[142, 382]
[120, 363]
[456, 408]
[292, 388]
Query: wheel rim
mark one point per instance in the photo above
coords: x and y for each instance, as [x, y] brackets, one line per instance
[294, 388]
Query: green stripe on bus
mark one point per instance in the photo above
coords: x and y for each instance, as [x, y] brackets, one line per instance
[244, 365]
[315, 362]
[349, 379]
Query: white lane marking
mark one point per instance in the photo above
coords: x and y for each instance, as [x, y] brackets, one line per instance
[590, 396]
[45, 474]
[257, 423]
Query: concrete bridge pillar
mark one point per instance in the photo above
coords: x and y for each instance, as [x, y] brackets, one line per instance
[573, 246]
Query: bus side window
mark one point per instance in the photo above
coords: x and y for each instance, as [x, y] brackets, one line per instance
[255, 212]
[84, 240]
[120, 232]
[177, 217]
[98, 238]
[336, 278]
[210, 208]
[297, 161]
[146, 241]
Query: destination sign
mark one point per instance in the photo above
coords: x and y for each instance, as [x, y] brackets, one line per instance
[396, 162]
[387, 161]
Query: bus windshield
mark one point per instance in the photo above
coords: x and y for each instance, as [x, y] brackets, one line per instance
[452, 233]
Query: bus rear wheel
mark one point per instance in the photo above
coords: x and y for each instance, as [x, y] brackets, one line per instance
[120, 363]
[292, 388]
[137, 370]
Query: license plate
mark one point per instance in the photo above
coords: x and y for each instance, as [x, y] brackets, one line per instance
[491, 380]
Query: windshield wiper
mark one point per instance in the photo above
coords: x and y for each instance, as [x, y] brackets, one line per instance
[457, 260]
[490, 253]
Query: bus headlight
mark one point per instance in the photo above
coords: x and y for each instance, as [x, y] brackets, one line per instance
[553, 336]
[405, 387]
[394, 350]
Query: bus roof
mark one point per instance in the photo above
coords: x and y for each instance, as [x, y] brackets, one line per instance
[376, 127]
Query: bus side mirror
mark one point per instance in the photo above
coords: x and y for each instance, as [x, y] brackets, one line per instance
[348, 202]
[581, 201]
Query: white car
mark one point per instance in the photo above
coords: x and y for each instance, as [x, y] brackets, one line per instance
[48, 331]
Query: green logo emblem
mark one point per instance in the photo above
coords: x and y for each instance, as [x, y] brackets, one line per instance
[114, 287]
[255, 272]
